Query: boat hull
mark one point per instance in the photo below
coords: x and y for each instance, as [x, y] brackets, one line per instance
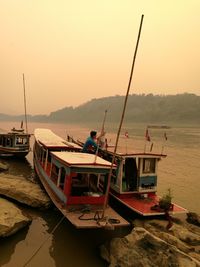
[12, 152]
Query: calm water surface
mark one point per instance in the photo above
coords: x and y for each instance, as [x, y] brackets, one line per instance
[68, 246]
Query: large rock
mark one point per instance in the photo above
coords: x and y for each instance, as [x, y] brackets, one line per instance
[184, 236]
[23, 191]
[11, 218]
[150, 244]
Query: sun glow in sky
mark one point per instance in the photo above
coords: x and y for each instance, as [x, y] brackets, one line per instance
[73, 51]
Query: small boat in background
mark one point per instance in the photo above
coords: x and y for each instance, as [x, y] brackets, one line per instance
[15, 143]
[72, 181]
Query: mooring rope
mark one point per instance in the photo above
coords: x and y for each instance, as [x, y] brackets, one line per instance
[43, 243]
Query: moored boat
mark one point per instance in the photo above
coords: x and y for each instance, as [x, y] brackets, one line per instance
[14, 143]
[134, 182]
[72, 180]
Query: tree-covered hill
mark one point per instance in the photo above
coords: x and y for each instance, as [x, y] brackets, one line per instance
[182, 108]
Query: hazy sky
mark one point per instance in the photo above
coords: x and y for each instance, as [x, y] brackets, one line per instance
[73, 51]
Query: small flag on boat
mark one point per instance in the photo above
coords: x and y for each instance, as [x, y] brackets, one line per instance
[165, 136]
[147, 136]
[126, 134]
[21, 124]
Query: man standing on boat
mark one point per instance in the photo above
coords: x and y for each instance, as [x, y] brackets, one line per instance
[91, 145]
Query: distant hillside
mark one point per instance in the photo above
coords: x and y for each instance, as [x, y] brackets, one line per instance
[183, 108]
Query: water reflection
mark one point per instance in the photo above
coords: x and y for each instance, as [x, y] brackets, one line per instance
[78, 247]
[66, 246]
[8, 246]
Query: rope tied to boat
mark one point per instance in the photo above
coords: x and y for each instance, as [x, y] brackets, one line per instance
[103, 221]
[106, 220]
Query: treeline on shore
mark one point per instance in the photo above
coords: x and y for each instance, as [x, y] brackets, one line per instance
[180, 108]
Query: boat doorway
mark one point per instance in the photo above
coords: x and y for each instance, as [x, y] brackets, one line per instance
[130, 174]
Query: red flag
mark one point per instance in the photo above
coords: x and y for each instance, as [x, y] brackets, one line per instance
[126, 134]
[147, 136]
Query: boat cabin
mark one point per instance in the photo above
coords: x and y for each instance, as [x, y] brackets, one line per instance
[13, 140]
[77, 175]
[135, 173]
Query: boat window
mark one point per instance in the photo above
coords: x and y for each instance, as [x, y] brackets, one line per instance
[80, 184]
[62, 178]
[103, 182]
[9, 141]
[149, 165]
[19, 141]
[25, 141]
[86, 185]
[54, 173]
[38, 151]
[4, 141]
[43, 156]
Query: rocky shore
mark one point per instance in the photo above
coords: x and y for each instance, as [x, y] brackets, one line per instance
[11, 218]
[150, 244]
[21, 191]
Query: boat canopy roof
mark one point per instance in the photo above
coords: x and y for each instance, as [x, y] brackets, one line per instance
[78, 159]
[48, 139]
[139, 154]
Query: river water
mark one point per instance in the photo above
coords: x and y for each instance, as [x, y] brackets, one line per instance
[67, 246]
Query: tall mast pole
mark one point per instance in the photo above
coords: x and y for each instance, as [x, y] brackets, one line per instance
[122, 117]
[25, 103]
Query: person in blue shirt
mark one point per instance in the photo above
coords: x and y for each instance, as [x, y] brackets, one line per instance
[90, 145]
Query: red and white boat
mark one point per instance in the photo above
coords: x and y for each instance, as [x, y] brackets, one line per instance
[72, 181]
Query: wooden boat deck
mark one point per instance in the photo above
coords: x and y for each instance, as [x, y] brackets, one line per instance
[143, 206]
[86, 218]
